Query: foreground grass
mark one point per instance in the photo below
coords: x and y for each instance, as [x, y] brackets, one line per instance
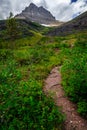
[74, 73]
[24, 64]
[23, 69]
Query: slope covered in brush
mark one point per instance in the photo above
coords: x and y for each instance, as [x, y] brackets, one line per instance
[75, 25]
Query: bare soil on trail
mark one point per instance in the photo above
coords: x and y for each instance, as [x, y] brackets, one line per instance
[53, 85]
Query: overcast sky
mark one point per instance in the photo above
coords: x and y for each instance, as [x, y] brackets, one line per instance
[63, 10]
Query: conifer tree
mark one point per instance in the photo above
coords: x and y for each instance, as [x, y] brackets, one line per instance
[12, 27]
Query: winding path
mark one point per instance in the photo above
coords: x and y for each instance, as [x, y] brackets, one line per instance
[73, 120]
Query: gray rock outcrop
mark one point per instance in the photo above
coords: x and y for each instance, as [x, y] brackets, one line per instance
[37, 14]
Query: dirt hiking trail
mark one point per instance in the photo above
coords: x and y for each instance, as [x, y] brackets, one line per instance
[73, 120]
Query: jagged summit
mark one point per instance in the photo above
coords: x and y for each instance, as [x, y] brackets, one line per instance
[31, 7]
[37, 14]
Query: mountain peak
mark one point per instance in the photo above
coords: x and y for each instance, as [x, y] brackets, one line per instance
[32, 5]
[37, 14]
[30, 8]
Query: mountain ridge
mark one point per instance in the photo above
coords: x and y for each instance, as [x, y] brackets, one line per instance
[37, 14]
[77, 24]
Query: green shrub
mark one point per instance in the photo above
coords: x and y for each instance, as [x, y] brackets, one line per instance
[74, 75]
[82, 108]
[5, 54]
[82, 42]
[24, 105]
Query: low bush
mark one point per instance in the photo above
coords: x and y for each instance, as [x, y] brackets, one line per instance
[82, 108]
[24, 105]
[74, 74]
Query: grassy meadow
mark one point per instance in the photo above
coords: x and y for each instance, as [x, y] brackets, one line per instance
[24, 65]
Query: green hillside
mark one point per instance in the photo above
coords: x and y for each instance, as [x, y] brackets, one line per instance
[24, 65]
[25, 28]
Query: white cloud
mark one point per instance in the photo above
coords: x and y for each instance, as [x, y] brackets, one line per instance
[63, 10]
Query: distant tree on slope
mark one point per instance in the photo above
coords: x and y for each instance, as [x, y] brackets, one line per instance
[12, 27]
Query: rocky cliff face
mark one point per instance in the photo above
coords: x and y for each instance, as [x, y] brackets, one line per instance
[77, 24]
[37, 14]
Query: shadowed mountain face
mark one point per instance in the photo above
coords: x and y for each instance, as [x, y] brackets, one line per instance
[75, 25]
[37, 14]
